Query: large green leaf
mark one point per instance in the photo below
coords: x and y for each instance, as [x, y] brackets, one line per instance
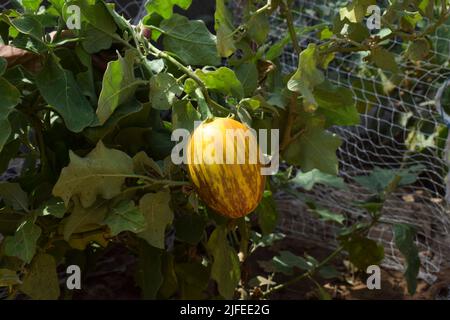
[225, 269]
[190, 40]
[380, 178]
[267, 214]
[307, 76]
[95, 40]
[158, 215]
[164, 90]
[384, 59]
[223, 80]
[184, 115]
[404, 240]
[41, 282]
[10, 97]
[29, 25]
[247, 74]
[165, 7]
[337, 104]
[125, 217]
[314, 149]
[118, 86]
[59, 88]
[82, 219]
[13, 196]
[363, 252]
[224, 29]
[23, 243]
[356, 10]
[286, 261]
[96, 13]
[307, 180]
[101, 173]
[145, 165]
[149, 275]
[126, 110]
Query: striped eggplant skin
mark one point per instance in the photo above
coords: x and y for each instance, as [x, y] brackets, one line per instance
[232, 189]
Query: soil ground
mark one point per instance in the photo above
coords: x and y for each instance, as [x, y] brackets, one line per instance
[104, 283]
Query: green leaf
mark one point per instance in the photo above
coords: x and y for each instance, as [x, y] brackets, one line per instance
[384, 59]
[258, 28]
[190, 40]
[13, 196]
[426, 8]
[329, 272]
[307, 180]
[380, 178]
[337, 104]
[307, 76]
[404, 240]
[247, 73]
[145, 165]
[286, 261]
[184, 115]
[86, 79]
[83, 219]
[97, 14]
[193, 279]
[126, 110]
[31, 5]
[224, 29]
[190, 228]
[10, 97]
[101, 173]
[165, 7]
[363, 252]
[125, 217]
[418, 49]
[41, 282]
[60, 90]
[118, 86]
[223, 80]
[53, 207]
[267, 214]
[225, 268]
[95, 40]
[23, 243]
[164, 90]
[356, 10]
[29, 25]
[149, 276]
[358, 32]
[265, 241]
[158, 215]
[327, 215]
[314, 149]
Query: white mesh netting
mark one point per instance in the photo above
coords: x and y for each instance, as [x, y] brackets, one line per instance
[406, 117]
[390, 124]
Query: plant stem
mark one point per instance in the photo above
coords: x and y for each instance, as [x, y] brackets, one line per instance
[304, 275]
[287, 136]
[135, 176]
[161, 54]
[291, 27]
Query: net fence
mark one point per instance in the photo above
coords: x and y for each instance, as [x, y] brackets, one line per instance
[391, 124]
[405, 118]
